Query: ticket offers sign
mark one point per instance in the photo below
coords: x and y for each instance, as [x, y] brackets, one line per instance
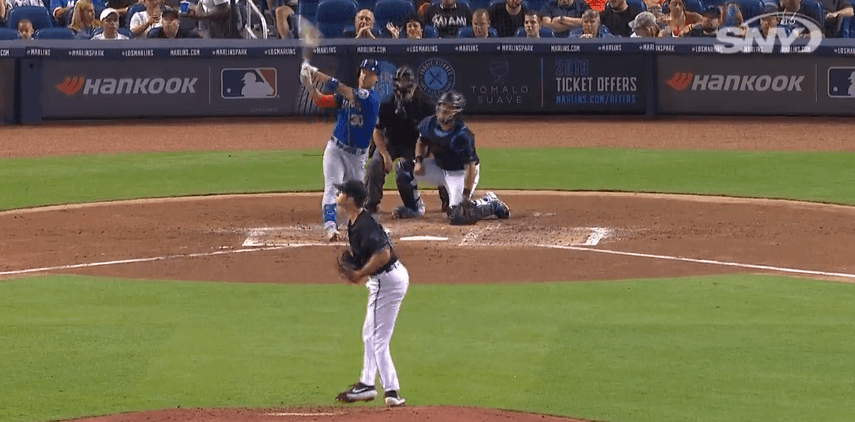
[491, 83]
[750, 84]
[595, 84]
[7, 91]
[124, 88]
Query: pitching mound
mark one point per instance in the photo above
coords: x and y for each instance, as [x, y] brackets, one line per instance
[366, 414]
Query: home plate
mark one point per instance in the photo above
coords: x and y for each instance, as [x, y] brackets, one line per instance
[424, 238]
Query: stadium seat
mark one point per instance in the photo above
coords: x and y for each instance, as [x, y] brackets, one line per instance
[334, 15]
[8, 34]
[308, 9]
[133, 10]
[395, 11]
[749, 8]
[39, 16]
[466, 32]
[365, 4]
[817, 10]
[847, 28]
[544, 33]
[465, 2]
[54, 34]
[524, 3]
[479, 4]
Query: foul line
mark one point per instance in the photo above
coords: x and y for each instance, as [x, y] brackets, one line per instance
[702, 261]
[159, 258]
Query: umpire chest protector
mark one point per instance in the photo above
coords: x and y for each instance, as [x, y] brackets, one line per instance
[402, 125]
[367, 237]
[451, 149]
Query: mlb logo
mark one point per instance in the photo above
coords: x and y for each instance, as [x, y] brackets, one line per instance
[841, 82]
[250, 83]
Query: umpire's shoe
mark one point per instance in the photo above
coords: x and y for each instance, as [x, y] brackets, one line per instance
[404, 211]
[393, 400]
[357, 392]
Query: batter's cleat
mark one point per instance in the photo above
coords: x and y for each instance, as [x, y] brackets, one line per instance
[332, 234]
[392, 399]
[357, 392]
[443, 197]
[404, 211]
[499, 208]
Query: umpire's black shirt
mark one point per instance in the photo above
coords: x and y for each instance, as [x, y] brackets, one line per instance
[367, 237]
[402, 126]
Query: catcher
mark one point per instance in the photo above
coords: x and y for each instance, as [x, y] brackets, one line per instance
[371, 256]
[454, 165]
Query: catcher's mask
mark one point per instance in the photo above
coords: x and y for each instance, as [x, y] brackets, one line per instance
[448, 106]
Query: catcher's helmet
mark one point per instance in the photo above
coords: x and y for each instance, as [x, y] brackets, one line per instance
[453, 100]
[370, 65]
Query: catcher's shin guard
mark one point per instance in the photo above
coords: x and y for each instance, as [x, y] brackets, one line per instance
[444, 199]
[375, 177]
[406, 181]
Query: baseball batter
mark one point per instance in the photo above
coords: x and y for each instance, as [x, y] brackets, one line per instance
[371, 255]
[454, 164]
[395, 138]
[346, 153]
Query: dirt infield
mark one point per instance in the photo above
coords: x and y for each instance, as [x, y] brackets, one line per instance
[550, 237]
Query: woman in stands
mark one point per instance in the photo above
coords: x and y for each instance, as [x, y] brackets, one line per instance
[83, 21]
[679, 21]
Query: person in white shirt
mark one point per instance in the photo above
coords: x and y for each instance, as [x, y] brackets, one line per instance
[216, 14]
[110, 23]
[148, 19]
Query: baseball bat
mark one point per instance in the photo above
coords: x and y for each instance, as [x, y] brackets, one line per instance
[309, 38]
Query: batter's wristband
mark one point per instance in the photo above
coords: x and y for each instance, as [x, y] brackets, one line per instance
[419, 159]
[332, 84]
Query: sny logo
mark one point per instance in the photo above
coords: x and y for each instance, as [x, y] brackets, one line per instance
[71, 85]
[680, 81]
[841, 82]
[249, 83]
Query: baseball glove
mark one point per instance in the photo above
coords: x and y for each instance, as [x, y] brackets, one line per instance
[464, 214]
[347, 266]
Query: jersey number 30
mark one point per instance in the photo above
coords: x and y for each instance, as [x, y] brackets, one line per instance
[356, 120]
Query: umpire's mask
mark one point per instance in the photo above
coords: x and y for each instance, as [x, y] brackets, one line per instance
[405, 87]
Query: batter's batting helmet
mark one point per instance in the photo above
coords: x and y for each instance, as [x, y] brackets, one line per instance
[370, 65]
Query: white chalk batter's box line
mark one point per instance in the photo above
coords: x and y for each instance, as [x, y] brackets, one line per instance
[261, 236]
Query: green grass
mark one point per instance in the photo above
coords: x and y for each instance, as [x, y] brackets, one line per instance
[728, 348]
[825, 177]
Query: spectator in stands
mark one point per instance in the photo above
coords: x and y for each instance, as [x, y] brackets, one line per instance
[562, 16]
[739, 28]
[110, 23]
[363, 26]
[617, 17]
[171, 26]
[506, 17]
[282, 12]
[836, 11]
[83, 21]
[146, 20]
[769, 23]
[216, 14]
[2, 12]
[531, 23]
[679, 21]
[25, 29]
[644, 26]
[591, 27]
[413, 27]
[795, 7]
[60, 9]
[480, 23]
[711, 20]
[448, 17]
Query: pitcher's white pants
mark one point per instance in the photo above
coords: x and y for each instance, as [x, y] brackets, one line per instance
[452, 180]
[385, 293]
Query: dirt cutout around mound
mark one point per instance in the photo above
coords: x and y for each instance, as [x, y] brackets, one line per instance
[332, 414]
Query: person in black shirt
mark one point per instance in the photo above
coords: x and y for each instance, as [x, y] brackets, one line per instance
[395, 138]
[448, 17]
[387, 283]
[507, 16]
[617, 17]
[709, 25]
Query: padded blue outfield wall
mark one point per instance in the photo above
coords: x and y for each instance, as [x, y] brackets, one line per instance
[54, 80]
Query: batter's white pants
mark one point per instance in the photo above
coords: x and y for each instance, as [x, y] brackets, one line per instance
[385, 293]
[339, 167]
[452, 180]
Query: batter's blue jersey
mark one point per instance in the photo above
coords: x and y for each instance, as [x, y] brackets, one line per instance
[356, 120]
[452, 150]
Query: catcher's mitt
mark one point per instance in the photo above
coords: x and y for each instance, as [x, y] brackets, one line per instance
[463, 214]
[347, 266]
